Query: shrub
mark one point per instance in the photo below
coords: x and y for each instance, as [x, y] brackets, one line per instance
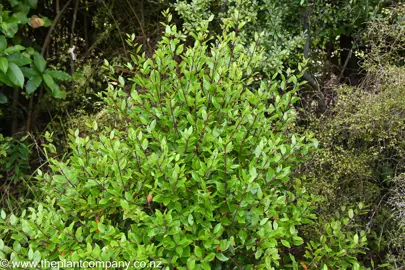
[193, 171]
[362, 140]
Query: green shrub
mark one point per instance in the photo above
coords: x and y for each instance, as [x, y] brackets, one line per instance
[195, 170]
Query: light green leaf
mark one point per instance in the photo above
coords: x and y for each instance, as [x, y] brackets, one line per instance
[285, 243]
[356, 238]
[15, 75]
[222, 257]
[198, 252]
[191, 263]
[351, 213]
[30, 254]
[13, 219]
[217, 228]
[209, 257]
[190, 219]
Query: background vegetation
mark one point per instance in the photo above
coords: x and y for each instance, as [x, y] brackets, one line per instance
[206, 134]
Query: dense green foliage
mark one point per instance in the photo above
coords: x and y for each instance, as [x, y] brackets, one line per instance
[241, 135]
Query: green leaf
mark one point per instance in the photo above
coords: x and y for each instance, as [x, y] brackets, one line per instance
[5, 79]
[37, 256]
[29, 72]
[15, 75]
[3, 214]
[58, 75]
[26, 227]
[190, 219]
[198, 252]
[3, 44]
[39, 62]
[3, 64]
[33, 84]
[122, 81]
[3, 99]
[33, 3]
[217, 228]
[221, 257]
[191, 263]
[285, 243]
[56, 93]
[179, 250]
[47, 21]
[351, 213]
[49, 82]
[30, 254]
[356, 238]
[10, 27]
[13, 218]
[13, 49]
[209, 257]
[20, 59]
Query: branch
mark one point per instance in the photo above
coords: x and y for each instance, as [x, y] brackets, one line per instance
[53, 25]
[307, 47]
[349, 55]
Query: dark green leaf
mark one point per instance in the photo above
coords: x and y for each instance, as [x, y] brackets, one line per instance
[5, 79]
[15, 74]
[29, 72]
[39, 62]
[32, 84]
[3, 98]
[20, 59]
[33, 3]
[59, 75]
[3, 44]
[13, 3]
[47, 21]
